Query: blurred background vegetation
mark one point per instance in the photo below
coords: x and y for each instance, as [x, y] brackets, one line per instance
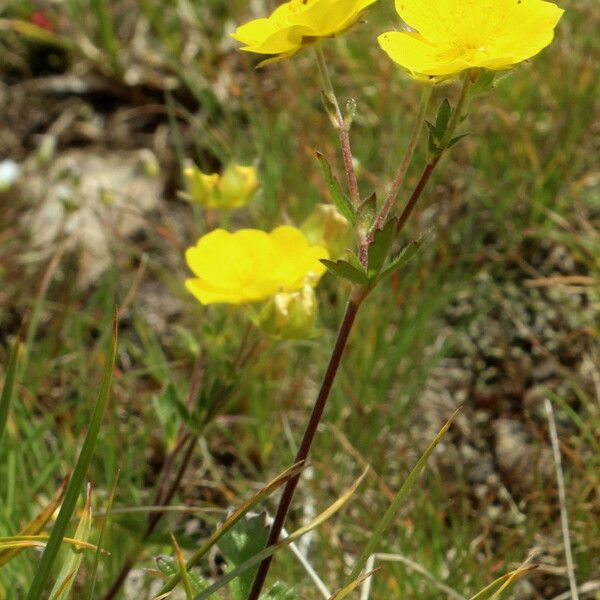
[102, 102]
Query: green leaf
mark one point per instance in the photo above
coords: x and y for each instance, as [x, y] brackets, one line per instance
[239, 544]
[434, 140]
[339, 198]
[380, 248]
[367, 213]
[484, 83]
[399, 498]
[169, 567]
[68, 572]
[258, 558]
[443, 118]
[44, 567]
[399, 261]
[265, 492]
[345, 270]
[9, 386]
[455, 140]
[280, 591]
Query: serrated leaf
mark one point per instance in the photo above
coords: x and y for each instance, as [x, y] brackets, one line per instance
[443, 118]
[351, 258]
[242, 542]
[265, 553]
[233, 519]
[343, 203]
[402, 259]
[345, 270]
[433, 143]
[380, 248]
[455, 140]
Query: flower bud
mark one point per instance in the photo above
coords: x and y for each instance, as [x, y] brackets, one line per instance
[233, 189]
[201, 187]
[237, 186]
[290, 316]
[326, 226]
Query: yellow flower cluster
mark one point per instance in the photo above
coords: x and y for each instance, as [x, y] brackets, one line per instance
[251, 265]
[444, 37]
[299, 23]
[450, 36]
[441, 39]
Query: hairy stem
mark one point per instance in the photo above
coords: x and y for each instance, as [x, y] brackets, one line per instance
[455, 121]
[406, 161]
[340, 125]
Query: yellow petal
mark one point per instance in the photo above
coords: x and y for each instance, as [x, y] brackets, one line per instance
[252, 265]
[417, 55]
[454, 35]
[298, 23]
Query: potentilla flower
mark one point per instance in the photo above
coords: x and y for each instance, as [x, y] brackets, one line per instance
[451, 36]
[297, 24]
[251, 265]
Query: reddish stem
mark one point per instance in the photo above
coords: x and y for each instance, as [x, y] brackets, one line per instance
[309, 434]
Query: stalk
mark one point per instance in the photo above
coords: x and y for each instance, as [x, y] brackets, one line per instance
[352, 308]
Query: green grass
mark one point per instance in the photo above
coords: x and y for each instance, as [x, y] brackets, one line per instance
[528, 175]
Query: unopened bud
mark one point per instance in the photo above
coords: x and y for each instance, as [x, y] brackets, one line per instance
[291, 316]
[233, 189]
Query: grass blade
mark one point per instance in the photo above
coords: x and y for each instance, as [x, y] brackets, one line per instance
[39, 541]
[353, 585]
[187, 586]
[258, 558]
[390, 513]
[43, 570]
[111, 499]
[233, 519]
[9, 387]
[37, 523]
[68, 572]
[493, 591]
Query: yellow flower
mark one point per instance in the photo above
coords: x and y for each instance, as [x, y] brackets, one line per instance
[298, 23]
[450, 36]
[233, 189]
[251, 265]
